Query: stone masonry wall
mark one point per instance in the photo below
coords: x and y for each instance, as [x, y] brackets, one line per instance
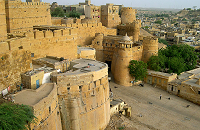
[17, 53]
[3, 31]
[84, 100]
[22, 16]
[12, 64]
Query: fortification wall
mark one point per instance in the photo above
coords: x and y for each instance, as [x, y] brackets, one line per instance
[128, 15]
[91, 27]
[46, 110]
[22, 16]
[97, 43]
[12, 64]
[84, 38]
[56, 21]
[84, 100]
[132, 29]
[150, 47]
[16, 53]
[3, 31]
[120, 63]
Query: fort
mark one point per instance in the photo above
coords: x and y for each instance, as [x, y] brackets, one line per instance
[59, 63]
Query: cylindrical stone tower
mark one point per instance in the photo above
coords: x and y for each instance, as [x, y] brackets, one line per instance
[136, 30]
[128, 15]
[126, 52]
[150, 47]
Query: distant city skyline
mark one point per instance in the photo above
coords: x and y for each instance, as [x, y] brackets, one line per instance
[175, 4]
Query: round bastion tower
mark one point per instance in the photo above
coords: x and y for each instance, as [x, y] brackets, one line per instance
[128, 15]
[123, 54]
[150, 47]
[136, 29]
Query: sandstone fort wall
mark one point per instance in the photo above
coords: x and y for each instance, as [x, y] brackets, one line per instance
[150, 47]
[121, 58]
[3, 31]
[84, 99]
[16, 53]
[22, 16]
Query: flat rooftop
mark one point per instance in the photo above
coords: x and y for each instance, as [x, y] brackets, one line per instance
[184, 76]
[192, 82]
[48, 60]
[151, 72]
[194, 71]
[48, 27]
[84, 49]
[85, 66]
[32, 97]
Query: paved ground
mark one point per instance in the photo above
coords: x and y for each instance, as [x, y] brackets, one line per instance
[161, 114]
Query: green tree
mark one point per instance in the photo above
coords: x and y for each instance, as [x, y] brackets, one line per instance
[163, 41]
[138, 69]
[58, 12]
[15, 117]
[74, 14]
[158, 21]
[175, 58]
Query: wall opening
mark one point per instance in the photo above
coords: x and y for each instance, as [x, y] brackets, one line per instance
[109, 65]
[49, 109]
[21, 47]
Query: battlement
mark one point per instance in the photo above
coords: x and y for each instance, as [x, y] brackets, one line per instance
[79, 25]
[128, 9]
[18, 43]
[150, 38]
[19, 4]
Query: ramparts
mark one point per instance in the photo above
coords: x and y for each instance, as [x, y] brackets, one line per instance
[128, 15]
[84, 95]
[22, 16]
[16, 53]
[44, 102]
[150, 47]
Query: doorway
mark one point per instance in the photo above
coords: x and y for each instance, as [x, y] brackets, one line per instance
[37, 84]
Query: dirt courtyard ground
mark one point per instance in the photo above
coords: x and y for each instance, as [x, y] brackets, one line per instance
[149, 112]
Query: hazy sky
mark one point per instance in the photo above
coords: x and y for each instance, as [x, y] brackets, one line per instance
[177, 4]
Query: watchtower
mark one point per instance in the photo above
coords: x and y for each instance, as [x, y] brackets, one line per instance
[150, 47]
[128, 15]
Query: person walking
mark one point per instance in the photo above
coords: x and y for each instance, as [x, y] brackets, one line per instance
[160, 96]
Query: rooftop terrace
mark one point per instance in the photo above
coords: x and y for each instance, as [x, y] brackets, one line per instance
[32, 97]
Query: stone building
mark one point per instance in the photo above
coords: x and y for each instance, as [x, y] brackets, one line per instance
[93, 12]
[159, 79]
[186, 86]
[110, 15]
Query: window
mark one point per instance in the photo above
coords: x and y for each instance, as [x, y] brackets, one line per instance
[21, 47]
[49, 109]
[32, 54]
[159, 80]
